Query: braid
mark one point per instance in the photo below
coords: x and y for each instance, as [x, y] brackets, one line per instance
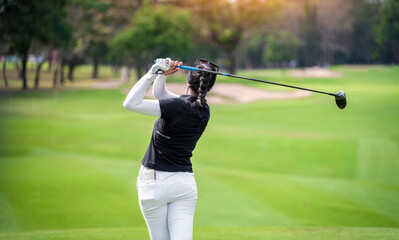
[203, 89]
[201, 83]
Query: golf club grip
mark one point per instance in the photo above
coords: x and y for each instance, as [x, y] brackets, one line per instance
[188, 68]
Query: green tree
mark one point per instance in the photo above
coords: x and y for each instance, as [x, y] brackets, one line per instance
[309, 53]
[282, 47]
[365, 16]
[3, 56]
[38, 50]
[24, 21]
[90, 37]
[387, 33]
[251, 50]
[224, 23]
[335, 27]
[159, 31]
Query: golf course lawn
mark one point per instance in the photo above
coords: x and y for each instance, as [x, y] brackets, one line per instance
[282, 169]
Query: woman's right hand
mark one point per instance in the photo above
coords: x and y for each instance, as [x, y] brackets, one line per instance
[173, 68]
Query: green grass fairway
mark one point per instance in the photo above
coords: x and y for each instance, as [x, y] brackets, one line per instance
[287, 169]
[269, 233]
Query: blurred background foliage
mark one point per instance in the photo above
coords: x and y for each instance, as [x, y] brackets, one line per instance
[235, 33]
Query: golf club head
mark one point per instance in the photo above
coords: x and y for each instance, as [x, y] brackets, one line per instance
[340, 99]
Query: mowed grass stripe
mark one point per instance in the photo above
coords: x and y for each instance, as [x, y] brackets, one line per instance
[377, 160]
[275, 233]
[298, 201]
[93, 136]
[8, 221]
[65, 190]
[276, 153]
[377, 198]
[223, 204]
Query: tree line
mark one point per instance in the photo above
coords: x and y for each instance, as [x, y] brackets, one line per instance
[240, 33]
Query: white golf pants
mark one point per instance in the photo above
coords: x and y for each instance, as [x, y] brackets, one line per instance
[167, 201]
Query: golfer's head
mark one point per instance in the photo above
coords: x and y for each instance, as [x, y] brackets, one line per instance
[201, 80]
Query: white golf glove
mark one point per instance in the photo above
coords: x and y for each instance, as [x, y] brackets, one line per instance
[161, 65]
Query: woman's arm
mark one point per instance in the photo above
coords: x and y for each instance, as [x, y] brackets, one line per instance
[159, 89]
[134, 100]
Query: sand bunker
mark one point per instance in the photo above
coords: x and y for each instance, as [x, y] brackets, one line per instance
[316, 72]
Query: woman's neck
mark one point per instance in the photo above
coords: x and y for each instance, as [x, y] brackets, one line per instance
[189, 91]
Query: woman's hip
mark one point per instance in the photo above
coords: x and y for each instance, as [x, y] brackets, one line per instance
[166, 186]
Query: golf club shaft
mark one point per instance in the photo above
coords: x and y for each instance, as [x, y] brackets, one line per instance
[252, 79]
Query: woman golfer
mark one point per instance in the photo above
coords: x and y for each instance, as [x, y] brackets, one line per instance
[166, 185]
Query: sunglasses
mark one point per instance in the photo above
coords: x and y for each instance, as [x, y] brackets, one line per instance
[201, 60]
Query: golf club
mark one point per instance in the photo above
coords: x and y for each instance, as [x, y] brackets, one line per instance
[340, 97]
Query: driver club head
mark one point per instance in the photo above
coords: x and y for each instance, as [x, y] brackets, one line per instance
[340, 99]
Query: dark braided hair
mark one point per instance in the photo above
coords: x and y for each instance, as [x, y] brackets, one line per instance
[201, 82]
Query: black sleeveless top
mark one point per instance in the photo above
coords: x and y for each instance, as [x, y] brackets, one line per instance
[175, 134]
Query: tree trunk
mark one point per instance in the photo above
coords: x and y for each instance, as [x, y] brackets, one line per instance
[50, 64]
[95, 68]
[62, 72]
[55, 74]
[23, 72]
[396, 51]
[115, 71]
[71, 67]
[5, 72]
[37, 76]
[231, 65]
[50, 59]
[19, 72]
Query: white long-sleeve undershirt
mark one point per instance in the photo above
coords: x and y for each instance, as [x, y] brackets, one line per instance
[134, 100]
[160, 90]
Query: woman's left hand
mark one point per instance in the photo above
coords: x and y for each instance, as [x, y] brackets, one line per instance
[173, 68]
